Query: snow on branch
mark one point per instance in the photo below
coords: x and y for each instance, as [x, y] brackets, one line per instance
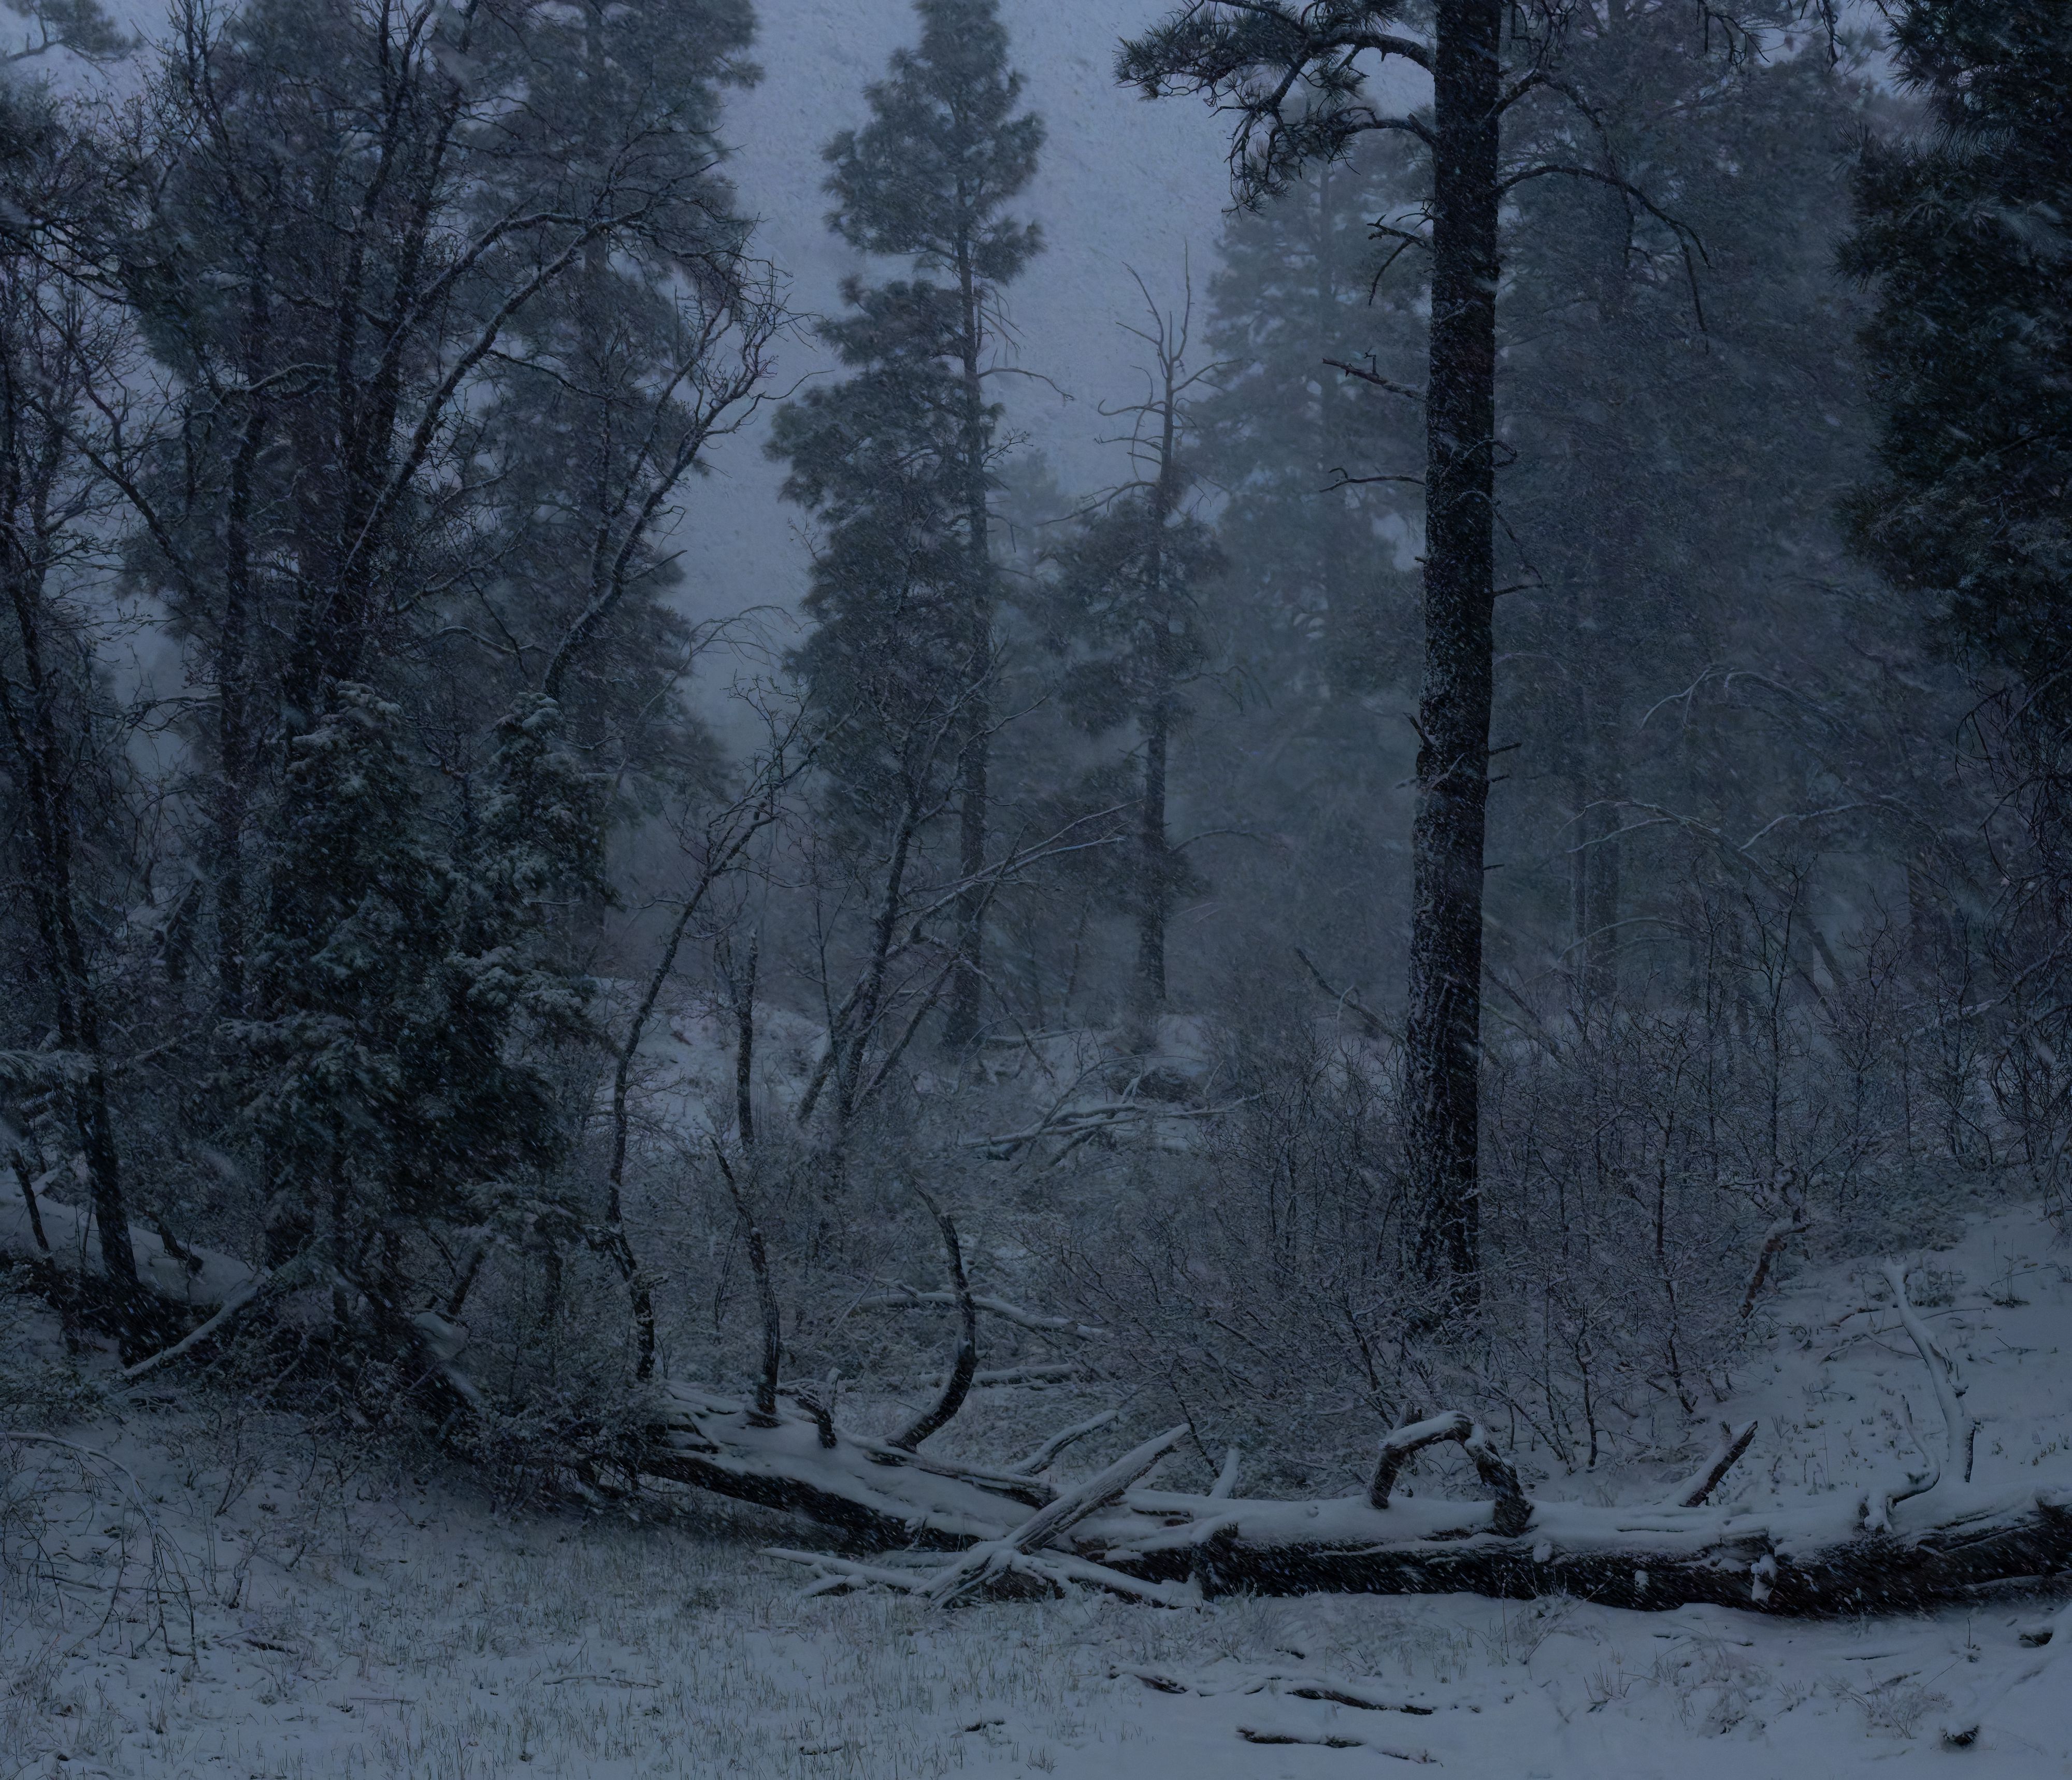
[1033, 1464]
[905, 1297]
[1076, 1124]
[971, 1571]
[1958, 1430]
[1070, 1372]
[1512, 1510]
[1733, 1441]
[1397, 1449]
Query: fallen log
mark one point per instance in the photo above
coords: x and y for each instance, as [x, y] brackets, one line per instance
[877, 1494]
[1931, 1538]
[1820, 1559]
[1944, 1544]
[1886, 1549]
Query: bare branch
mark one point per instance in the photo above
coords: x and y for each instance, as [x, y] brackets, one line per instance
[1733, 1441]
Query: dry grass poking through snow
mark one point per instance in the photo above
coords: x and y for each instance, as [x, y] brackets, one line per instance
[359, 1630]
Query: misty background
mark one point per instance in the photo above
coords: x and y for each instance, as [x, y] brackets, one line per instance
[691, 803]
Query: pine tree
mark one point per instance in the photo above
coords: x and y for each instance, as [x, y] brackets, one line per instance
[1502, 117]
[876, 459]
[930, 178]
[1292, 76]
[620, 375]
[1965, 236]
[496, 294]
[382, 1074]
[1320, 605]
[82, 27]
[1677, 427]
[893, 665]
[1293, 436]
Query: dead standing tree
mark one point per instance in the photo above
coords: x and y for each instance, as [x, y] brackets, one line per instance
[716, 846]
[1293, 77]
[1127, 588]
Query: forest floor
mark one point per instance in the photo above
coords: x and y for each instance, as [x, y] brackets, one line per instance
[312, 1616]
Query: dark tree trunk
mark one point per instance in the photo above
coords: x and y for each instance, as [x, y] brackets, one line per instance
[1597, 875]
[967, 989]
[1444, 1036]
[742, 991]
[235, 756]
[1336, 576]
[1154, 887]
[967, 986]
[1154, 865]
[39, 759]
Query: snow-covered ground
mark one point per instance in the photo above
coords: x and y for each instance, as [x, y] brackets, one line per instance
[316, 1616]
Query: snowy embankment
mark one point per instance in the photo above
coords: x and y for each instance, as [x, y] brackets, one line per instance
[206, 1596]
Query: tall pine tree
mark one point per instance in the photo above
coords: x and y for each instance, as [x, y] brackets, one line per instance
[1967, 236]
[387, 1073]
[1293, 437]
[1321, 618]
[929, 178]
[622, 370]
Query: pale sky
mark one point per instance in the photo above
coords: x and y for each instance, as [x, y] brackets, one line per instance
[1124, 182]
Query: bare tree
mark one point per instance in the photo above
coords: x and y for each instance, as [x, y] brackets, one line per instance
[61, 357]
[1128, 592]
[717, 845]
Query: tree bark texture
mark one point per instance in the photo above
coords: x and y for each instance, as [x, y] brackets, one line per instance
[1444, 1014]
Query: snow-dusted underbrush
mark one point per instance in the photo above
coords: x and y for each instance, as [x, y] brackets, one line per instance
[196, 1588]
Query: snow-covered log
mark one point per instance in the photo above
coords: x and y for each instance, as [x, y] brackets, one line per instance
[1911, 1544]
[1944, 1544]
[1880, 1551]
[203, 1294]
[1819, 1558]
[60, 1245]
[869, 1490]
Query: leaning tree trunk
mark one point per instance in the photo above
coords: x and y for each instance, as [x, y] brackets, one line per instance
[1444, 1023]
